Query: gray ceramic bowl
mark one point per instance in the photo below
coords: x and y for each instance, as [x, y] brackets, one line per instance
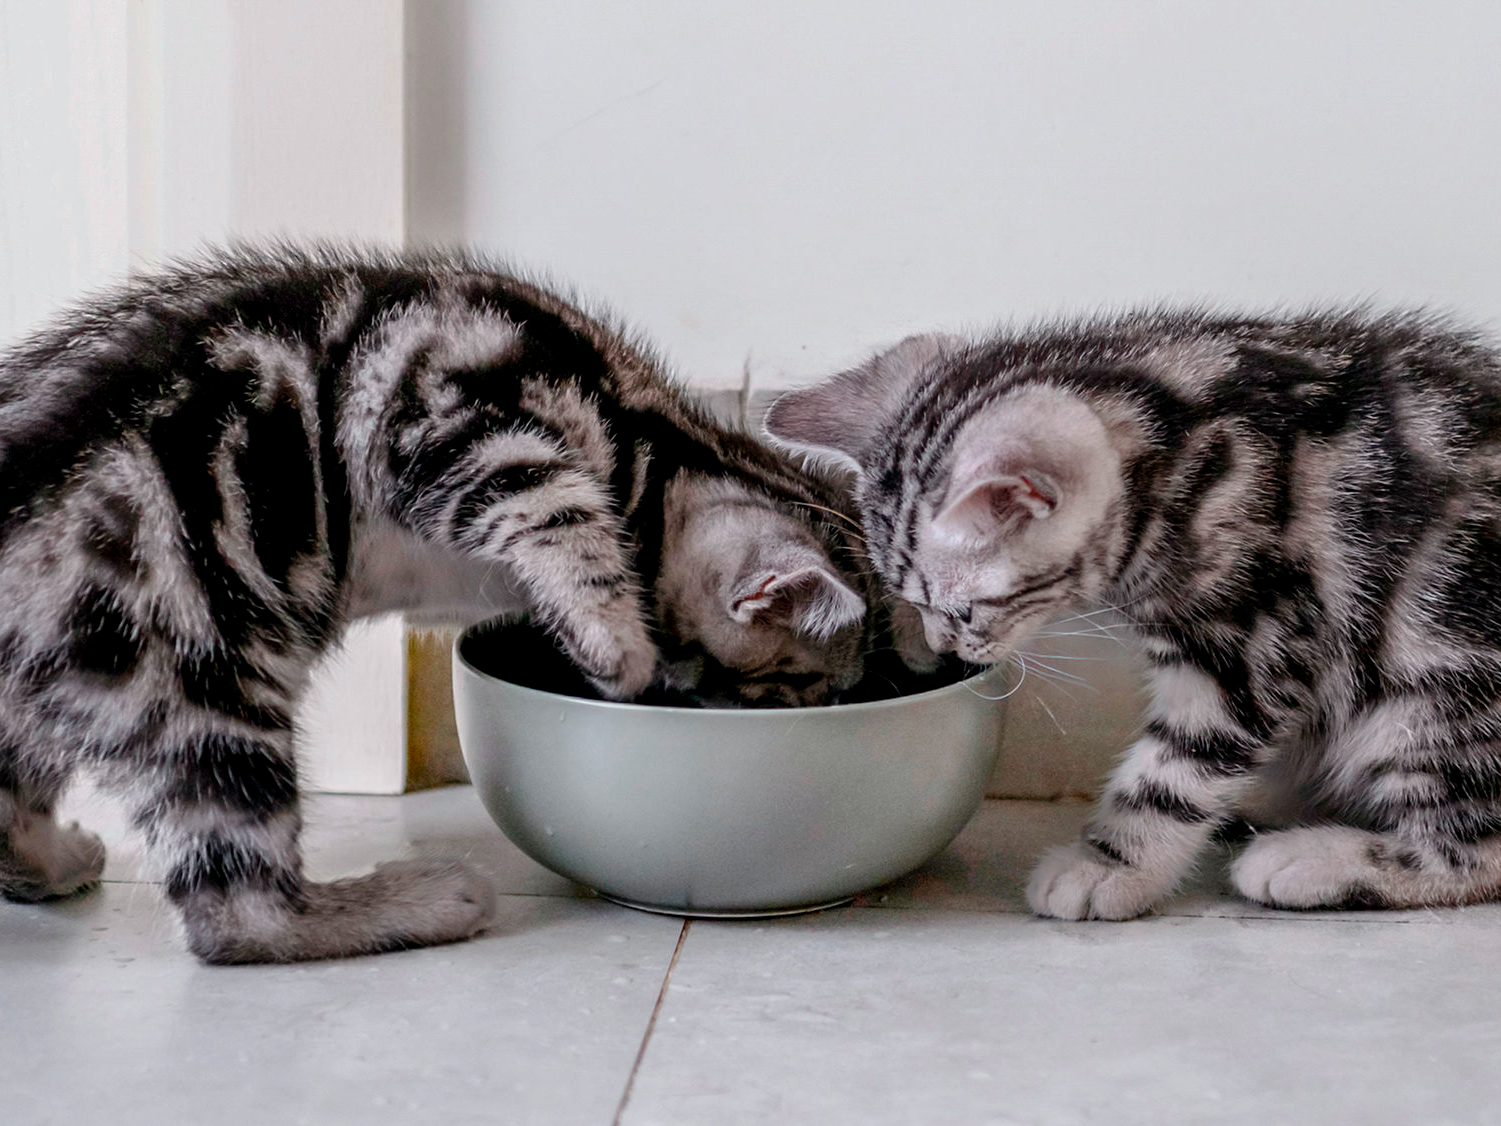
[721, 812]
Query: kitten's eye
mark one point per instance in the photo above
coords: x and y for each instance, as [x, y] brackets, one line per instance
[954, 613]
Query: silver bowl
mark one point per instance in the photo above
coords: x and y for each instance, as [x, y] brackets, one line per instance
[726, 812]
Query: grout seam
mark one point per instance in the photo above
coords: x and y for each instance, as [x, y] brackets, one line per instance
[651, 1024]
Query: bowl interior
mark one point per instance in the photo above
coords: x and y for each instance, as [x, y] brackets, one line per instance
[520, 652]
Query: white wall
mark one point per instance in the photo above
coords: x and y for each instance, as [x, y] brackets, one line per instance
[283, 118]
[62, 131]
[771, 188]
[134, 129]
[255, 118]
[791, 182]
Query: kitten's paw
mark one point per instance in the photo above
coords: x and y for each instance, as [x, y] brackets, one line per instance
[400, 905]
[78, 862]
[632, 669]
[1076, 882]
[44, 860]
[434, 900]
[1318, 866]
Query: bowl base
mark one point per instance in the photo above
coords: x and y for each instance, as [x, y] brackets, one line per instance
[749, 913]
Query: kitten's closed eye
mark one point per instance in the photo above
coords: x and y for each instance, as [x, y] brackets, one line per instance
[953, 612]
[1247, 494]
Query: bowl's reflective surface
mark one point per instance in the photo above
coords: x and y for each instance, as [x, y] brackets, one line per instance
[724, 812]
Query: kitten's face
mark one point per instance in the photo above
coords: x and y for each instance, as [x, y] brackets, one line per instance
[758, 613]
[1014, 529]
[1015, 521]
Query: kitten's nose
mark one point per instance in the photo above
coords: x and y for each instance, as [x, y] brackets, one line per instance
[980, 654]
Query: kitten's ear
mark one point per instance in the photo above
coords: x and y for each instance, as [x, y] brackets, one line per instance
[839, 420]
[993, 501]
[793, 583]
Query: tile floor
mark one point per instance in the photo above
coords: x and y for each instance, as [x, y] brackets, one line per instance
[935, 1000]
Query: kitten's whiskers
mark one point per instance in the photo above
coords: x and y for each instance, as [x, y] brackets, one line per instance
[1005, 695]
[1058, 675]
[857, 530]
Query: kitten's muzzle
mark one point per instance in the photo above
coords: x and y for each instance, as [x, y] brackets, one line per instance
[990, 653]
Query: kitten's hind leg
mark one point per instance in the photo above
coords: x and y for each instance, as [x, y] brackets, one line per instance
[225, 813]
[1342, 866]
[1430, 804]
[40, 859]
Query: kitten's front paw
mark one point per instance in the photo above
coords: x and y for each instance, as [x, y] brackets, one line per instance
[1317, 866]
[40, 859]
[615, 652]
[79, 861]
[401, 905]
[1076, 882]
[631, 674]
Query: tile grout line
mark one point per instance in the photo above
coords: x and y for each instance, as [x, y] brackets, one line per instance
[651, 1024]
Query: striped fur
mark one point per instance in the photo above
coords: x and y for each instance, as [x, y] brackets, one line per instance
[1300, 518]
[206, 475]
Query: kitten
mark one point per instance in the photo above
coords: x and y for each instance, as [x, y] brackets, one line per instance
[1300, 519]
[209, 473]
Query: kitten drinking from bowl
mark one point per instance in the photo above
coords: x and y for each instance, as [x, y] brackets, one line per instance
[1298, 517]
[211, 471]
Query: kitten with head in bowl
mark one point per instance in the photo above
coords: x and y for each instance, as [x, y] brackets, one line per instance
[1299, 519]
[208, 473]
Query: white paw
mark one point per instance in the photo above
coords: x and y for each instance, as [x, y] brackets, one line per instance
[1075, 882]
[66, 857]
[619, 656]
[632, 672]
[79, 860]
[1322, 866]
[402, 904]
[445, 899]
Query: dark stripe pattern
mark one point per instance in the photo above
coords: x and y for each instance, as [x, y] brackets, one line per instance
[1309, 515]
[190, 463]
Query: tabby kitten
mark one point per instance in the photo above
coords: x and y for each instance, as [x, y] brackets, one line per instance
[1300, 520]
[209, 473]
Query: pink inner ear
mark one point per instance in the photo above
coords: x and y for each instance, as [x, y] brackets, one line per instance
[996, 506]
[1033, 492]
[760, 594]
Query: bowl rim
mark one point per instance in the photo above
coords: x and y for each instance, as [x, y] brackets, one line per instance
[625, 706]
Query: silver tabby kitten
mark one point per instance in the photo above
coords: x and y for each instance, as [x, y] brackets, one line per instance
[206, 475]
[1301, 520]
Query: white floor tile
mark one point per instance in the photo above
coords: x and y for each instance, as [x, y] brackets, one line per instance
[346, 834]
[106, 1019]
[938, 999]
[986, 869]
[878, 1016]
[986, 866]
